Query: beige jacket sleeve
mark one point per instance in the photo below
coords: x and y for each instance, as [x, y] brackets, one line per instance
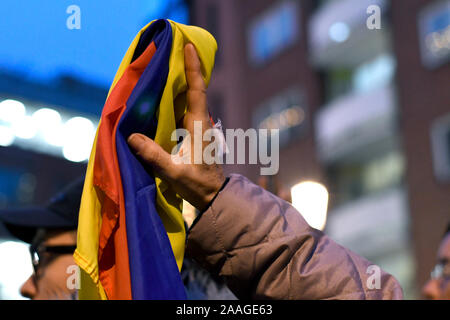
[264, 249]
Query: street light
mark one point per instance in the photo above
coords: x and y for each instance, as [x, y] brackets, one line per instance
[49, 123]
[311, 200]
[339, 32]
[79, 134]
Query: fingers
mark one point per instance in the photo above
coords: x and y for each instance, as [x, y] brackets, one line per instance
[154, 155]
[196, 93]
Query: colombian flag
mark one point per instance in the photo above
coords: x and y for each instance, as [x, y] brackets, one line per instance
[131, 232]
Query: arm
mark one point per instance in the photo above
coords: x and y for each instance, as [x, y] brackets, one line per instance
[265, 250]
[258, 242]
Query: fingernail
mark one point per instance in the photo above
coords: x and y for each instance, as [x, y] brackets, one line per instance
[191, 48]
[136, 141]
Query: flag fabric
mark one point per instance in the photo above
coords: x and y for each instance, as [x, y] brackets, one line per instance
[139, 188]
[114, 258]
[131, 236]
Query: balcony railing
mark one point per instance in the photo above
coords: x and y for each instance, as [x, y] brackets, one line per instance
[339, 36]
[355, 121]
[373, 225]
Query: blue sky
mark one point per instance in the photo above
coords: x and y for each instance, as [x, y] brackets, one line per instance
[35, 42]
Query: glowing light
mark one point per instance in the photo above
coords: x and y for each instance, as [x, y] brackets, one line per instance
[339, 32]
[49, 124]
[11, 111]
[311, 200]
[6, 136]
[439, 42]
[284, 120]
[44, 130]
[24, 128]
[79, 136]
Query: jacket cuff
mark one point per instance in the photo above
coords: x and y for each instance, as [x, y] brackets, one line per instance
[204, 225]
[199, 215]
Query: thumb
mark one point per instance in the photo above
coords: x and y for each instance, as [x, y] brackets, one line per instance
[153, 154]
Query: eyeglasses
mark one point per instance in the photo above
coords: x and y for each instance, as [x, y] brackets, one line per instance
[37, 253]
[441, 270]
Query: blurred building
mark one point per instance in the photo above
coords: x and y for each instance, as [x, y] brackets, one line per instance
[422, 46]
[46, 132]
[360, 92]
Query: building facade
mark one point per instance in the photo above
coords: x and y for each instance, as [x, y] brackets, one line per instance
[46, 133]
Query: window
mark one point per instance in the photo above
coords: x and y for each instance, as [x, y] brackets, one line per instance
[287, 112]
[374, 74]
[273, 32]
[366, 77]
[356, 180]
[434, 33]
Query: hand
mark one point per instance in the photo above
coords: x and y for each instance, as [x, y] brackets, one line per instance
[196, 183]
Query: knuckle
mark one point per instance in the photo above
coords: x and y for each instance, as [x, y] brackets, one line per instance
[147, 153]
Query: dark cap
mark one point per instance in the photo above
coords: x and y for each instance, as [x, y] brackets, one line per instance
[60, 212]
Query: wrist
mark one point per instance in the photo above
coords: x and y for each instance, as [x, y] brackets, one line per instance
[199, 215]
[213, 195]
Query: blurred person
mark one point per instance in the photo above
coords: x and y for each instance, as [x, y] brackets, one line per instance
[257, 242]
[438, 286]
[51, 231]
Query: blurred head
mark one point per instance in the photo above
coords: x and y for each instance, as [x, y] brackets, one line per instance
[51, 232]
[52, 258]
[438, 287]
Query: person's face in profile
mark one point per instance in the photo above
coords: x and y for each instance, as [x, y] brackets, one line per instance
[51, 260]
[438, 287]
